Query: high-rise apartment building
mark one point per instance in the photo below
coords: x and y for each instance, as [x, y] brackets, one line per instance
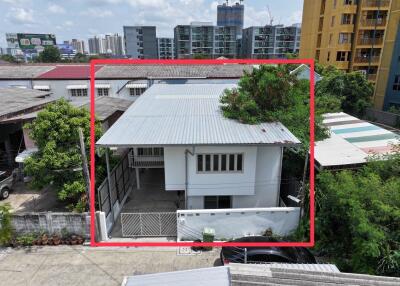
[96, 45]
[231, 15]
[348, 34]
[140, 42]
[387, 91]
[269, 42]
[203, 39]
[113, 44]
[78, 45]
[165, 48]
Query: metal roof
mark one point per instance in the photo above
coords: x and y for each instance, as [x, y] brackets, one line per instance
[173, 71]
[277, 274]
[68, 72]
[352, 141]
[15, 101]
[188, 114]
[23, 71]
[216, 276]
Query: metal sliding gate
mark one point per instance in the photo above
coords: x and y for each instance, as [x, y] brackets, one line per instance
[148, 224]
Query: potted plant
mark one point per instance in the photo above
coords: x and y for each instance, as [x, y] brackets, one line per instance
[74, 239]
[45, 239]
[56, 239]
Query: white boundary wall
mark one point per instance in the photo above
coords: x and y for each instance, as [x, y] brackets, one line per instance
[235, 223]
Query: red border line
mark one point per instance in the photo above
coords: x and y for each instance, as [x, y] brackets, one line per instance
[309, 62]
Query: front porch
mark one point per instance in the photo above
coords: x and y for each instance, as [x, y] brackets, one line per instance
[151, 197]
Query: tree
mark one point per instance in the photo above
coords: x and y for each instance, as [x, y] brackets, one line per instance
[50, 54]
[352, 89]
[270, 93]
[358, 217]
[8, 58]
[58, 161]
[201, 56]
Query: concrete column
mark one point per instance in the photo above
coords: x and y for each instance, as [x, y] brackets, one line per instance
[137, 178]
[7, 144]
[102, 234]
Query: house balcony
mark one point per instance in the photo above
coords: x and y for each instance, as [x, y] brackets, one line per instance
[366, 59]
[369, 41]
[145, 161]
[376, 4]
[380, 22]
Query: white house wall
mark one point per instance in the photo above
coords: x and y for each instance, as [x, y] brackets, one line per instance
[257, 186]
[267, 184]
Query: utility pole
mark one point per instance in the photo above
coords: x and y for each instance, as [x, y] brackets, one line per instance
[85, 167]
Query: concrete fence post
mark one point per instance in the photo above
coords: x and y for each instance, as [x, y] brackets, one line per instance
[101, 226]
[49, 220]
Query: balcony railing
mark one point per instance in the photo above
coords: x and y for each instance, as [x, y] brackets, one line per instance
[146, 161]
[372, 77]
[380, 22]
[376, 3]
[366, 59]
[370, 41]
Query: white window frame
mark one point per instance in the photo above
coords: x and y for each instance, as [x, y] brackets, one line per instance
[78, 92]
[219, 168]
[136, 91]
[102, 92]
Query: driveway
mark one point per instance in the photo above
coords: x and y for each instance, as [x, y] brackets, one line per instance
[24, 199]
[82, 265]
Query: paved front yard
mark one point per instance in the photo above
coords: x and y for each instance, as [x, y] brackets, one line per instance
[81, 265]
[23, 199]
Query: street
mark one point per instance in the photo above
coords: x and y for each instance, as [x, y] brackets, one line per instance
[83, 265]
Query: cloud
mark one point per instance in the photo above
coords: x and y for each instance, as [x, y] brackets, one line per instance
[18, 15]
[296, 17]
[97, 13]
[56, 9]
[68, 23]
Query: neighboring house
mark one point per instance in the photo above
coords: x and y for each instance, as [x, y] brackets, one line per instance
[304, 72]
[17, 103]
[72, 81]
[352, 141]
[217, 162]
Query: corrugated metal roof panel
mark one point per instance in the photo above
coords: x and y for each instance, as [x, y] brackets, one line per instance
[216, 276]
[188, 114]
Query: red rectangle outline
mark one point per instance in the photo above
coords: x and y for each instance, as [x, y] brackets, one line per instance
[309, 62]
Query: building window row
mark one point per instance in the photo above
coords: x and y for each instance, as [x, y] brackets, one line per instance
[396, 84]
[102, 92]
[136, 91]
[219, 163]
[79, 92]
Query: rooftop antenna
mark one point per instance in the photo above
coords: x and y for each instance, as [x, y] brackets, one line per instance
[271, 19]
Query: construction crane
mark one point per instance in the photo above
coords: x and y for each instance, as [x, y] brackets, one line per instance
[271, 19]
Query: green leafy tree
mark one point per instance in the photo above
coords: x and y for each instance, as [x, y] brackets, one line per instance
[6, 230]
[58, 161]
[270, 93]
[352, 89]
[8, 58]
[358, 217]
[201, 56]
[50, 54]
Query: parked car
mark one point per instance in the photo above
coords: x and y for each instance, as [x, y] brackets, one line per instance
[264, 254]
[6, 183]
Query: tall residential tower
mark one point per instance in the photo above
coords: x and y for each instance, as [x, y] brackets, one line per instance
[140, 42]
[231, 15]
[351, 35]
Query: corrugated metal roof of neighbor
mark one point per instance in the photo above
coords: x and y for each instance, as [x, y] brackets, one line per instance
[23, 71]
[173, 71]
[188, 114]
[275, 274]
[14, 100]
[352, 141]
[216, 276]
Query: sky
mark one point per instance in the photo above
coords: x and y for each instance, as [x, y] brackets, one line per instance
[82, 19]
